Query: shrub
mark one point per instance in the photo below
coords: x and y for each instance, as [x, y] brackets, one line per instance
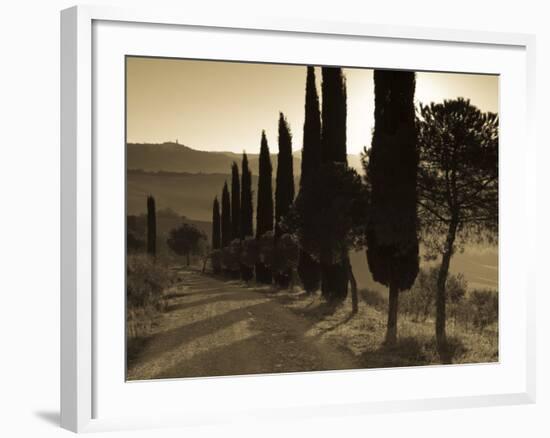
[249, 252]
[216, 260]
[145, 281]
[480, 308]
[266, 248]
[375, 299]
[419, 301]
[231, 256]
[286, 254]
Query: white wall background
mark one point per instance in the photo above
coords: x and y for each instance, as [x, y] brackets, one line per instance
[29, 216]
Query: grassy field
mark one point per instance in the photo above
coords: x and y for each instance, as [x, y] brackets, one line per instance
[363, 334]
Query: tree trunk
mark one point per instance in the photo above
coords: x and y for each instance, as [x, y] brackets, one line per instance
[391, 331]
[426, 309]
[188, 259]
[440, 303]
[325, 263]
[353, 283]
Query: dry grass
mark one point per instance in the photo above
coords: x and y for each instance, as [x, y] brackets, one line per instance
[363, 334]
[147, 283]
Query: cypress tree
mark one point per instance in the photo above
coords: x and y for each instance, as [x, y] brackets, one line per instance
[226, 217]
[246, 199]
[392, 241]
[216, 231]
[284, 189]
[264, 211]
[151, 227]
[246, 228]
[308, 267]
[235, 202]
[334, 274]
[334, 113]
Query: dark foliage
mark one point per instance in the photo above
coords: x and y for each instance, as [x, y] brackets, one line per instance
[185, 240]
[235, 202]
[334, 113]
[458, 185]
[334, 274]
[216, 234]
[391, 167]
[216, 225]
[339, 199]
[226, 217]
[308, 268]
[246, 229]
[284, 189]
[248, 257]
[151, 227]
[264, 213]
[246, 200]
[311, 150]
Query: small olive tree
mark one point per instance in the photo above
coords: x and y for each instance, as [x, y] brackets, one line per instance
[186, 240]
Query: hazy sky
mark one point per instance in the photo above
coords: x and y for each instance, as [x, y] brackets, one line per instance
[223, 106]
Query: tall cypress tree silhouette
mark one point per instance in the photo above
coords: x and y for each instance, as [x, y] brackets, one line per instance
[334, 114]
[246, 199]
[264, 212]
[151, 227]
[216, 237]
[308, 268]
[284, 189]
[392, 241]
[334, 274]
[246, 228]
[235, 202]
[226, 217]
[216, 230]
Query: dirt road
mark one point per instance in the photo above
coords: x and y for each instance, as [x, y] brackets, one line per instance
[215, 328]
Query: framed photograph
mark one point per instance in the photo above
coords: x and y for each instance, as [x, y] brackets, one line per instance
[284, 219]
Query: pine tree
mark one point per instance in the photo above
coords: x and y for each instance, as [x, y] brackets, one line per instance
[334, 274]
[458, 160]
[151, 227]
[235, 202]
[392, 241]
[216, 231]
[264, 212]
[226, 217]
[308, 268]
[246, 213]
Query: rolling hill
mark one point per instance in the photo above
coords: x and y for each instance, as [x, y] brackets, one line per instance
[173, 157]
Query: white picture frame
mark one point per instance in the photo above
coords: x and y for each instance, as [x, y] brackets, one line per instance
[84, 384]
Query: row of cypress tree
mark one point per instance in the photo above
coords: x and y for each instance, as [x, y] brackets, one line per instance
[236, 218]
[391, 223]
[324, 143]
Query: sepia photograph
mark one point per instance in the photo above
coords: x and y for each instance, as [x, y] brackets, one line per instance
[286, 218]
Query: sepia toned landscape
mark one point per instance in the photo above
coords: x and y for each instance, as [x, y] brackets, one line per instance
[286, 218]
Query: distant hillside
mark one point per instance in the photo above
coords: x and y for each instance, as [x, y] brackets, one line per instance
[188, 194]
[173, 157]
